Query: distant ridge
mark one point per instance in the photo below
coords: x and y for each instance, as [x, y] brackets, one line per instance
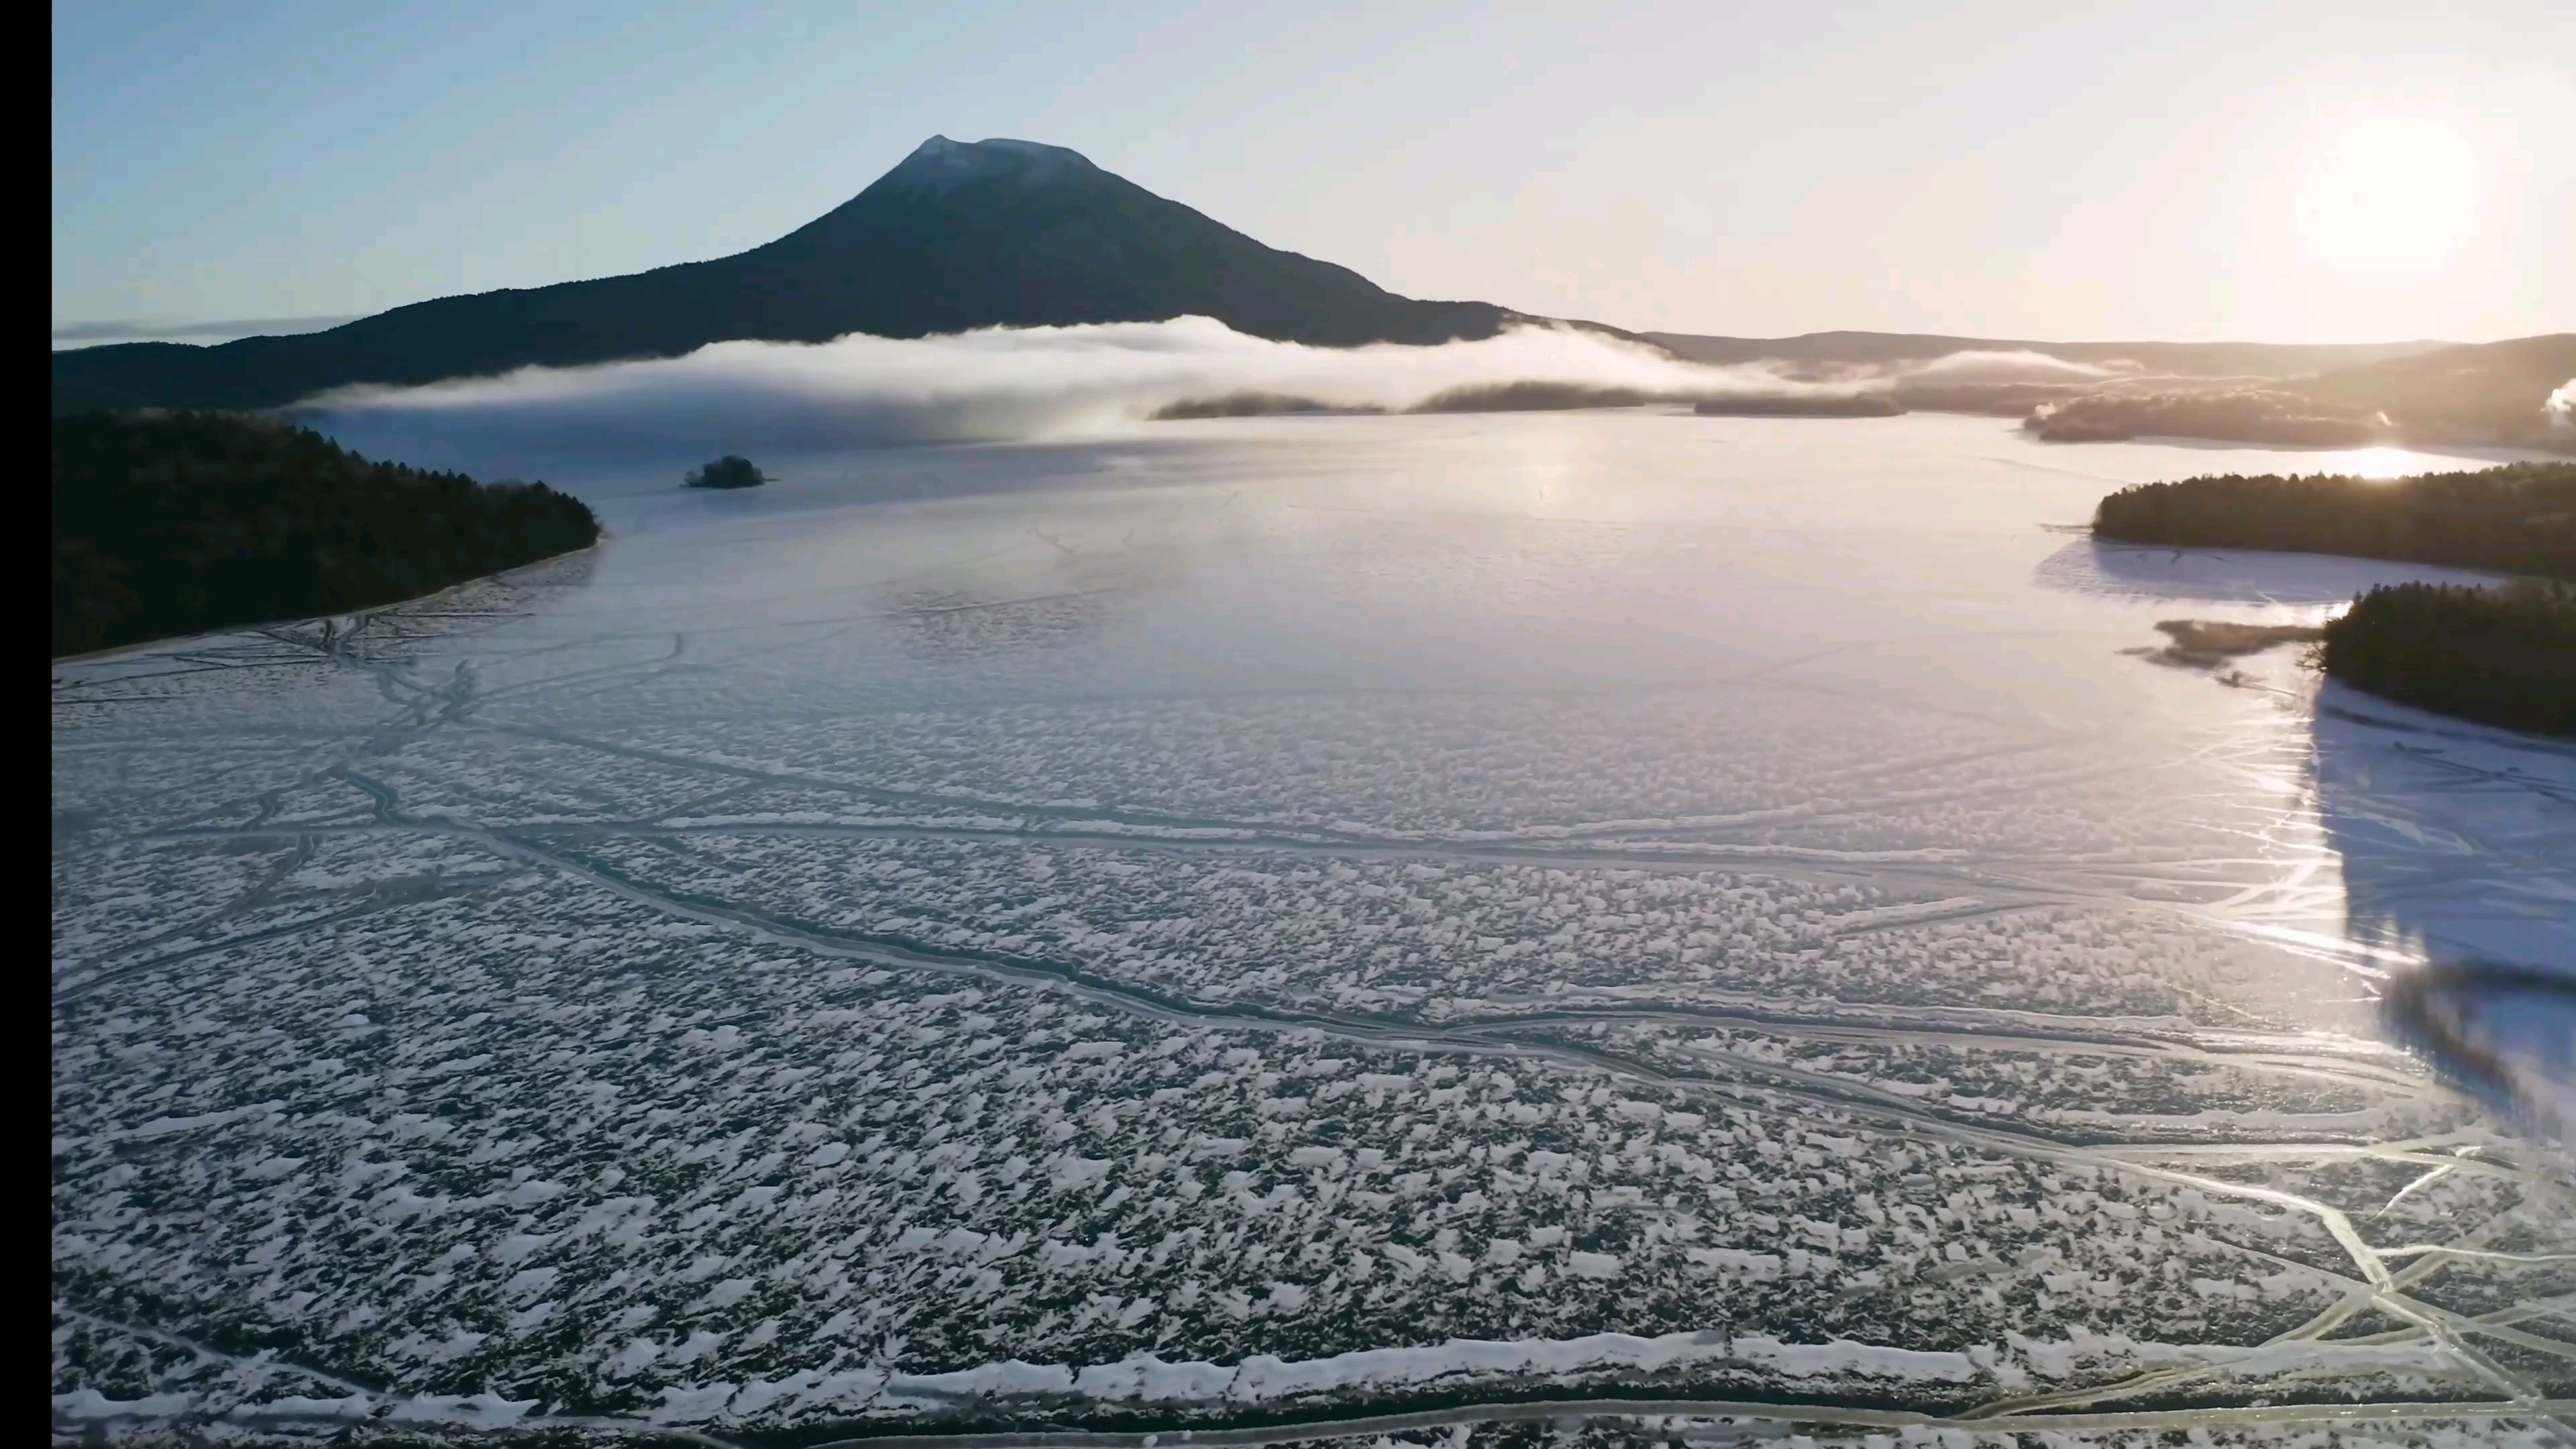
[1836, 350]
[958, 236]
[2504, 393]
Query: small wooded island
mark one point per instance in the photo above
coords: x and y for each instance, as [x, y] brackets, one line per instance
[2504, 655]
[167, 524]
[728, 471]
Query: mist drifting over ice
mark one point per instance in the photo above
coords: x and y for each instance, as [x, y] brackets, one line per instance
[998, 384]
[995, 385]
[2003, 367]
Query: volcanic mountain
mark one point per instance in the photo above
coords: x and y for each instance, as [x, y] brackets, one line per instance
[959, 236]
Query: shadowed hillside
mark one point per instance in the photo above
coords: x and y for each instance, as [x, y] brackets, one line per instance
[2495, 392]
[957, 237]
[2490, 392]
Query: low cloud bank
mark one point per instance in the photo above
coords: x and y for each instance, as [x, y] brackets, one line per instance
[2000, 367]
[763, 398]
[994, 385]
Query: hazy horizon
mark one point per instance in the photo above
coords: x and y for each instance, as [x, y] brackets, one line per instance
[2192, 173]
[207, 332]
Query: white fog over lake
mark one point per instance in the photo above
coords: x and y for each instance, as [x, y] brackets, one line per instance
[1301, 914]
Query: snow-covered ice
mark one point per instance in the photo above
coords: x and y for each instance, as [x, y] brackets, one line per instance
[1326, 915]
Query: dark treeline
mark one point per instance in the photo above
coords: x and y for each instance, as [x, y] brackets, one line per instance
[2518, 519]
[1247, 404]
[1532, 397]
[2501, 656]
[1852, 405]
[171, 524]
[2250, 416]
[1993, 399]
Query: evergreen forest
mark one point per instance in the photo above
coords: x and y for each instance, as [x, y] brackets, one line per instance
[2516, 519]
[2501, 656]
[173, 523]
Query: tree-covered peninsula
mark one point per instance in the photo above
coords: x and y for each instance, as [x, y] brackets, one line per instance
[168, 524]
[2517, 519]
[2501, 656]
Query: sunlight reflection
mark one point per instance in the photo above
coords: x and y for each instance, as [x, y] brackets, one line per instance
[2382, 463]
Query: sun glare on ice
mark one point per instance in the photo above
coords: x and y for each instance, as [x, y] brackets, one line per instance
[2379, 463]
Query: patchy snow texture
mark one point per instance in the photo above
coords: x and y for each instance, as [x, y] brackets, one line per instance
[1353, 918]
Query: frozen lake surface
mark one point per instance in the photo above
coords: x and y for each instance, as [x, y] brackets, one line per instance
[1313, 918]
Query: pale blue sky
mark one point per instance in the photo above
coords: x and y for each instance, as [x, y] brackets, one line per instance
[2289, 172]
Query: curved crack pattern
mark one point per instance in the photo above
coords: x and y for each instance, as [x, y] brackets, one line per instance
[554, 1073]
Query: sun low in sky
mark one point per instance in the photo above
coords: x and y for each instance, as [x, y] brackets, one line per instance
[2307, 170]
